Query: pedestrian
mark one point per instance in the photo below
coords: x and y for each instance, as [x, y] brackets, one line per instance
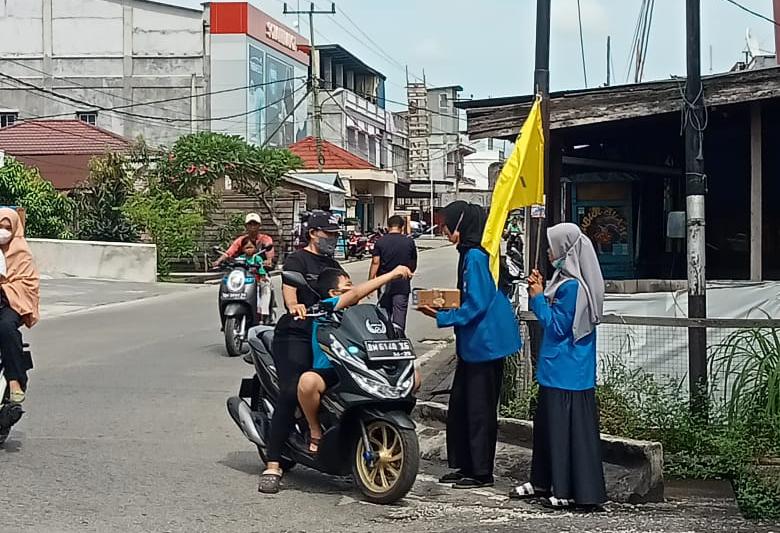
[19, 301]
[486, 332]
[292, 346]
[566, 469]
[392, 250]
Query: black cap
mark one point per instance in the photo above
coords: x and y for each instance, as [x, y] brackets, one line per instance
[322, 220]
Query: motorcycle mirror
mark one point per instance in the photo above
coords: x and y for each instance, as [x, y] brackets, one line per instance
[296, 279]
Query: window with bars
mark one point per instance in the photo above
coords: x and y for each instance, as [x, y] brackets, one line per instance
[8, 118]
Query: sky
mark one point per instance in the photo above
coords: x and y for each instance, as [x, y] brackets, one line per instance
[487, 46]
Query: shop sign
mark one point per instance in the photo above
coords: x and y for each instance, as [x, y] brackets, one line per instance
[281, 36]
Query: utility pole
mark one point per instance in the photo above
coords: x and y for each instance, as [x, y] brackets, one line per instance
[314, 75]
[609, 63]
[541, 87]
[695, 188]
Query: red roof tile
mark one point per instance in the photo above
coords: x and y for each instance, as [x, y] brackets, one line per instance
[336, 158]
[64, 137]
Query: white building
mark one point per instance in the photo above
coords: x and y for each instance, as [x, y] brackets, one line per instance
[139, 67]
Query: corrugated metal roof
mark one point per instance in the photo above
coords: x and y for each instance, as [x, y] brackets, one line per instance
[65, 137]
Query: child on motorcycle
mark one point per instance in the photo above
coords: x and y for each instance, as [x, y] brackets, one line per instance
[337, 292]
[256, 262]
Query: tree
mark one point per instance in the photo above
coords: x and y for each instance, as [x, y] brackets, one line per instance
[48, 213]
[101, 200]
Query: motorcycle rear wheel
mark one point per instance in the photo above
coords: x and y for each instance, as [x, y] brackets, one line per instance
[233, 343]
[391, 476]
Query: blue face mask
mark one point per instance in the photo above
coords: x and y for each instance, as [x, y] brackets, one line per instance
[558, 263]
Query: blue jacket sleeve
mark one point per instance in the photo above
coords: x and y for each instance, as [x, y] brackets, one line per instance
[557, 319]
[478, 293]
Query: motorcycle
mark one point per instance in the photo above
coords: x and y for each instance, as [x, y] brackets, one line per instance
[367, 428]
[238, 303]
[372, 240]
[356, 245]
[10, 413]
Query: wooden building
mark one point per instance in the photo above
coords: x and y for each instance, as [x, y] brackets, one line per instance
[617, 168]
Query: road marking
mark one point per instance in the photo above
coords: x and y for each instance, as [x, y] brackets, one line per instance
[430, 354]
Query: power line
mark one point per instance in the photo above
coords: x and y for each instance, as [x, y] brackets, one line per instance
[754, 13]
[582, 44]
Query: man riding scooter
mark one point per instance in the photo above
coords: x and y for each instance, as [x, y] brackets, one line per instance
[262, 242]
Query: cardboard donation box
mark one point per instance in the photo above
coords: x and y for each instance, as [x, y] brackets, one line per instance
[437, 298]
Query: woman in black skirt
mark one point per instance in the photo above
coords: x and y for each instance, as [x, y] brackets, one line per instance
[566, 469]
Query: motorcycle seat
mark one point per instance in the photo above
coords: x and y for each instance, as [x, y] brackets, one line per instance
[261, 338]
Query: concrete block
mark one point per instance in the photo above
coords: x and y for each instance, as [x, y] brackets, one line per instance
[633, 469]
[96, 260]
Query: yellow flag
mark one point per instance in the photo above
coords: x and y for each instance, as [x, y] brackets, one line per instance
[520, 184]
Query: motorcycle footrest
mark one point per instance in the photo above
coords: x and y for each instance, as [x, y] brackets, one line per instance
[248, 388]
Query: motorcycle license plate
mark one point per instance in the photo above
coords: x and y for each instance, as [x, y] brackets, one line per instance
[389, 350]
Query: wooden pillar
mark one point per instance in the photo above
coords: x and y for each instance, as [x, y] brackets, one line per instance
[756, 211]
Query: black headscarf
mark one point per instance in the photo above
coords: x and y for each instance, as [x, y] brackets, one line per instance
[469, 220]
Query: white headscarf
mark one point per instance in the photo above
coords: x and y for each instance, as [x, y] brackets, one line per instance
[576, 259]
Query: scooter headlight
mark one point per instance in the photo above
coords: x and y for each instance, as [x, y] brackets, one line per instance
[236, 281]
[378, 389]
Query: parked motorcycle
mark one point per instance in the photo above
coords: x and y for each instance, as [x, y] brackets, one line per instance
[356, 245]
[238, 303]
[372, 240]
[10, 413]
[367, 428]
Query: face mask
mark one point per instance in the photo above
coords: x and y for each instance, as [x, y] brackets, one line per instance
[327, 245]
[5, 236]
[558, 263]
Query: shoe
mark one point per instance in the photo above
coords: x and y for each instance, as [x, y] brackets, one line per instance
[452, 477]
[16, 396]
[474, 482]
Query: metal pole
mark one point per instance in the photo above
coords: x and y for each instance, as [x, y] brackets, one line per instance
[609, 56]
[695, 192]
[542, 87]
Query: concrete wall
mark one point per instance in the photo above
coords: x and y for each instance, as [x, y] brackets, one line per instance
[107, 53]
[98, 260]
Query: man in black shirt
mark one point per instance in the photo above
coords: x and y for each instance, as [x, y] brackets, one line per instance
[392, 250]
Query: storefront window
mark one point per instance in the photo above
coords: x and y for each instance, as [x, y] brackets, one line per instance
[280, 98]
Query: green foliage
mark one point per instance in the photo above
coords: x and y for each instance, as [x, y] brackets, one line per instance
[100, 202]
[747, 362]
[228, 232]
[173, 224]
[48, 213]
[197, 161]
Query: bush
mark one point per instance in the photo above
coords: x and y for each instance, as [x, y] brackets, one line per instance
[48, 213]
[173, 224]
[101, 200]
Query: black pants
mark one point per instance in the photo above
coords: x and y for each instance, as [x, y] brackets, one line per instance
[396, 306]
[472, 420]
[292, 357]
[567, 446]
[11, 351]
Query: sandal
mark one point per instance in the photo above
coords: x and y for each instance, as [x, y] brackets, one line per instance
[314, 442]
[16, 396]
[269, 482]
[526, 491]
[560, 504]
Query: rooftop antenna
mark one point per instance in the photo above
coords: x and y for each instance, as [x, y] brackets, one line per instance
[753, 48]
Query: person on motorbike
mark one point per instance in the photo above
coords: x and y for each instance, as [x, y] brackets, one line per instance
[256, 262]
[252, 224]
[337, 292]
[292, 347]
[19, 301]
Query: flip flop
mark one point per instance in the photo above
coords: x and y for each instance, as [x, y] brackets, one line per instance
[269, 482]
[526, 491]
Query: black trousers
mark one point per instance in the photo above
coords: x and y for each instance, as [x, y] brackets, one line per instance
[11, 351]
[292, 357]
[396, 306]
[472, 419]
[567, 446]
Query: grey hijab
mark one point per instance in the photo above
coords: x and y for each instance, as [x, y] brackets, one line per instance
[576, 259]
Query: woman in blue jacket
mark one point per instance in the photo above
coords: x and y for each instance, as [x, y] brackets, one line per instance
[566, 469]
[485, 333]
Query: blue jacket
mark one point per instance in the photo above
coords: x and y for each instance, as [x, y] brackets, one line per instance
[563, 363]
[485, 324]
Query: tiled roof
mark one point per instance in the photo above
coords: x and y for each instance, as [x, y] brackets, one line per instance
[63, 137]
[336, 158]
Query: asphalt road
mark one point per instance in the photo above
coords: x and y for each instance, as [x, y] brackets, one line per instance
[127, 431]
